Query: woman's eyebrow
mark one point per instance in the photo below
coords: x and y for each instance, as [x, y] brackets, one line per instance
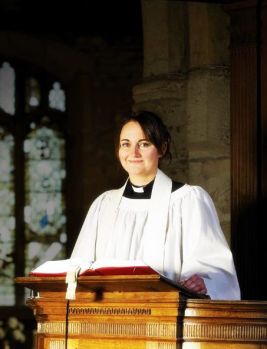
[139, 140]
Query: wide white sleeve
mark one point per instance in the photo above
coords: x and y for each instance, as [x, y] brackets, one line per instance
[205, 249]
[85, 244]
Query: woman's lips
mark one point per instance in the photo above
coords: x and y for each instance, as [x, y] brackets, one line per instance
[135, 161]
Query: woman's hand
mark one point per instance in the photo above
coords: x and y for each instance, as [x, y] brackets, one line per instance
[195, 283]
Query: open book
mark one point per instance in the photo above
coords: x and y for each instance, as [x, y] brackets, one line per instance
[74, 267]
[99, 267]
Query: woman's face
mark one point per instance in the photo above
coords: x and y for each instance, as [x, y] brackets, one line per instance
[138, 156]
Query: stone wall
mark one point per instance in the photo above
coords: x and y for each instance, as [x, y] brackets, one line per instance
[186, 81]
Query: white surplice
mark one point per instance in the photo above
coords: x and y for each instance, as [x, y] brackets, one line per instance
[177, 233]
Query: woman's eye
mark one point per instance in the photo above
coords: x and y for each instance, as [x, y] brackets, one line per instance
[144, 144]
[125, 145]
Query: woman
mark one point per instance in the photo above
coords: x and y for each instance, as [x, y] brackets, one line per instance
[172, 227]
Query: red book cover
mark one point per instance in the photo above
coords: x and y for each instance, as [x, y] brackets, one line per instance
[123, 270]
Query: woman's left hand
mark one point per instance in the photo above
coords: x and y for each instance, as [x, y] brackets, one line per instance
[195, 283]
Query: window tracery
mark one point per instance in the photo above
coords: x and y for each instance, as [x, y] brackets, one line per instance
[32, 168]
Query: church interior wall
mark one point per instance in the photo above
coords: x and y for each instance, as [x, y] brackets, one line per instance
[186, 80]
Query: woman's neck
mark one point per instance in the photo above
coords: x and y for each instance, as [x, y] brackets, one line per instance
[141, 181]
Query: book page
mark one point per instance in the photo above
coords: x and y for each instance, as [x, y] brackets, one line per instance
[61, 267]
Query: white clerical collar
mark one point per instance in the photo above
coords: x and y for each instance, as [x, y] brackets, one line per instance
[138, 189]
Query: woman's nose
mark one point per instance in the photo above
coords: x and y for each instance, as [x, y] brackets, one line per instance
[136, 150]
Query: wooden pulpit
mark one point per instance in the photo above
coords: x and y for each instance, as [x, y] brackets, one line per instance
[140, 312]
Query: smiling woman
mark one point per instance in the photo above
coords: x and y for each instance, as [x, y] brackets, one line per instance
[170, 226]
[138, 156]
[143, 141]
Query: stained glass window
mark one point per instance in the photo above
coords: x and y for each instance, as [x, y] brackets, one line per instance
[44, 212]
[57, 97]
[7, 218]
[7, 88]
[32, 174]
[33, 93]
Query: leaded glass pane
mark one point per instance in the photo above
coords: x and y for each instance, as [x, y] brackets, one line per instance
[44, 143]
[7, 88]
[33, 93]
[7, 218]
[39, 252]
[57, 97]
[44, 212]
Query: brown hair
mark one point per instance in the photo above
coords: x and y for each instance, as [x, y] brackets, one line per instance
[154, 129]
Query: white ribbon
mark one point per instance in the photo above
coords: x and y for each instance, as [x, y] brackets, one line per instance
[71, 281]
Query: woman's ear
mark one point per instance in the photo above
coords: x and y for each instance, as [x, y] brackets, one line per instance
[163, 149]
